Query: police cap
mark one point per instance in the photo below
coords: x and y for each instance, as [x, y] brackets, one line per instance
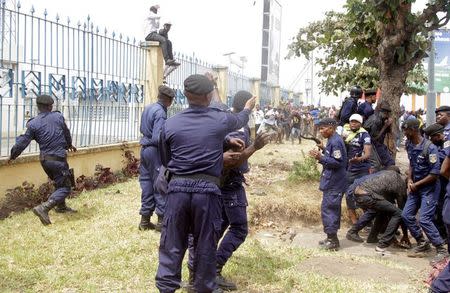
[44, 100]
[443, 109]
[166, 91]
[411, 124]
[328, 122]
[198, 84]
[433, 129]
[239, 100]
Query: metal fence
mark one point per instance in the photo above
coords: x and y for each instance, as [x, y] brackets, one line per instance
[237, 82]
[96, 77]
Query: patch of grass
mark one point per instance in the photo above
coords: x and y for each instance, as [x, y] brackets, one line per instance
[304, 170]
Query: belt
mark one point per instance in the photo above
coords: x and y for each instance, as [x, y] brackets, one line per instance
[51, 158]
[199, 176]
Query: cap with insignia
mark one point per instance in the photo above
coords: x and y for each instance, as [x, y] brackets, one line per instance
[433, 129]
[166, 91]
[411, 124]
[44, 100]
[198, 84]
[328, 122]
[443, 109]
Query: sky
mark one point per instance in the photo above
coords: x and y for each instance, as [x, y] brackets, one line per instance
[206, 28]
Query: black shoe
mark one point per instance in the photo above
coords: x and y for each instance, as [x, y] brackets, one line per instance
[42, 211]
[331, 245]
[372, 240]
[322, 242]
[158, 225]
[63, 208]
[423, 246]
[224, 284]
[353, 236]
[171, 62]
[441, 253]
[145, 224]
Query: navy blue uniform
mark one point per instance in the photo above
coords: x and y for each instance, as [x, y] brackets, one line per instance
[442, 283]
[50, 131]
[425, 199]
[153, 118]
[334, 162]
[365, 110]
[349, 107]
[355, 148]
[194, 143]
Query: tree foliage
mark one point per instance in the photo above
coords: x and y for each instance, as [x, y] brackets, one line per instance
[372, 41]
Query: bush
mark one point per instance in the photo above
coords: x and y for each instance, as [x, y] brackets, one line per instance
[305, 170]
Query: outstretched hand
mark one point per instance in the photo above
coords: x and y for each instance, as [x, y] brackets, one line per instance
[250, 103]
[261, 140]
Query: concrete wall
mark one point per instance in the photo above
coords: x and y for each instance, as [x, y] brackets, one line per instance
[28, 167]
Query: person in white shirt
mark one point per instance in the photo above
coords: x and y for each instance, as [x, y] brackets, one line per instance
[258, 116]
[155, 35]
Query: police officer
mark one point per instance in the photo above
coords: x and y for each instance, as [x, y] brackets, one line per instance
[442, 283]
[359, 148]
[435, 132]
[192, 148]
[50, 131]
[350, 105]
[153, 118]
[334, 161]
[365, 109]
[423, 190]
[443, 118]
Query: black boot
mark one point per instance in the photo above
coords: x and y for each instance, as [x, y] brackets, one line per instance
[145, 223]
[352, 235]
[422, 248]
[225, 284]
[63, 208]
[158, 225]
[42, 211]
[441, 253]
[332, 243]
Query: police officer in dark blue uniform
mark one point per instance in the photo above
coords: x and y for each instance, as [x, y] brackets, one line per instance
[192, 149]
[350, 105]
[334, 161]
[50, 131]
[153, 118]
[442, 283]
[423, 190]
[365, 109]
[443, 118]
[435, 132]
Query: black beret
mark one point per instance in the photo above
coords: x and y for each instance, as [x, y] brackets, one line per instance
[434, 129]
[198, 84]
[328, 121]
[166, 91]
[411, 124]
[239, 100]
[443, 109]
[370, 92]
[44, 100]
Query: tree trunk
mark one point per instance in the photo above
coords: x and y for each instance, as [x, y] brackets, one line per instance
[392, 82]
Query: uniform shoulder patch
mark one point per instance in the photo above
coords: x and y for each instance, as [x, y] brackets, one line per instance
[337, 154]
[447, 144]
[433, 158]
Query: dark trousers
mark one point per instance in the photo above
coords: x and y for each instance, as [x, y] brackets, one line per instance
[166, 44]
[331, 211]
[199, 214]
[438, 219]
[351, 177]
[424, 201]
[148, 171]
[59, 173]
[379, 208]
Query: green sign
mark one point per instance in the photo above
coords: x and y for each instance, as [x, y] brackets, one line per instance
[442, 63]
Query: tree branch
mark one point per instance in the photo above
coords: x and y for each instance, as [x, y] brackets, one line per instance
[429, 12]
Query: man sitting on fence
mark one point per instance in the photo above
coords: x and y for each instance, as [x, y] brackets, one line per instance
[161, 36]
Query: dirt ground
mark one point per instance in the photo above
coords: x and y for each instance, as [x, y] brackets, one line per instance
[281, 226]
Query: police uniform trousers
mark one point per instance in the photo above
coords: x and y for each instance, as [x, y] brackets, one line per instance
[442, 283]
[193, 206]
[58, 172]
[424, 201]
[148, 172]
[331, 211]
[234, 218]
[438, 220]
